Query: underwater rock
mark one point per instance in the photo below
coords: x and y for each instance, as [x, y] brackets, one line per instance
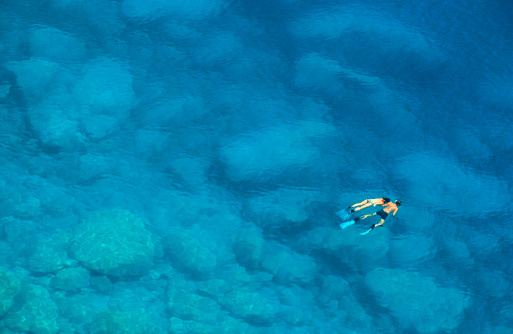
[4, 90]
[455, 250]
[411, 250]
[348, 246]
[39, 78]
[50, 253]
[34, 311]
[249, 247]
[288, 267]
[394, 44]
[188, 305]
[21, 234]
[274, 150]
[113, 242]
[317, 73]
[283, 209]
[67, 108]
[56, 45]
[80, 308]
[71, 279]
[416, 301]
[9, 288]
[493, 283]
[336, 299]
[445, 179]
[103, 96]
[228, 324]
[190, 254]
[53, 125]
[252, 306]
[101, 283]
[151, 10]
[124, 322]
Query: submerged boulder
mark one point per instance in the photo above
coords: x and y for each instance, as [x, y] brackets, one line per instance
[189, 254]
[249, 247]
[50, 253]
[417, 301]
[254, 307]
[71, 279]
[9, 288]
[275, 150]
[113, 242]
[124, 322]
[34, 312]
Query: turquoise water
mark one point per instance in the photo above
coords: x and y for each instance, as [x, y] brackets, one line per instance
[176, 167]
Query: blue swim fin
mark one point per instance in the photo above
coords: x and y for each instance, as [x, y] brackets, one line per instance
[346, 224]
[368, 231]
[343, 214]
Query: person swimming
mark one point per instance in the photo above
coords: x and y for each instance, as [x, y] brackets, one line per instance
[383, 213]
[344, 214]
[368, 202]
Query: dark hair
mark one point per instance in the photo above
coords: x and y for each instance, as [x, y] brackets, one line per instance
[398, 203]
[386, 199]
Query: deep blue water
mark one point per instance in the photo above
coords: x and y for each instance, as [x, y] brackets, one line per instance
[176, 166]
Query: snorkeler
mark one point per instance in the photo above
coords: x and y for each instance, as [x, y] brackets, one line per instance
[383, 213]
[344, 214]
[368, 202]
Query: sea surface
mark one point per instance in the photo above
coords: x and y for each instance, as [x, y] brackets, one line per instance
[177, 166]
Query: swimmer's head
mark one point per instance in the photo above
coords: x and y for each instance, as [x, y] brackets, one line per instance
[398, 203]
[386, 199]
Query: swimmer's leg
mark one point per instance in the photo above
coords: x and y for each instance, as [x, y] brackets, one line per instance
[381, 222]
[358, 204]
[366, 205]
[366, 216]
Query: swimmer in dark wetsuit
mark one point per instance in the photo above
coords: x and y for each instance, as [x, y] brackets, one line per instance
[383, 213]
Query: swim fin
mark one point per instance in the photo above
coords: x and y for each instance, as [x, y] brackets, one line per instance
[346, 224]
[368, 231]
[343, 214]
